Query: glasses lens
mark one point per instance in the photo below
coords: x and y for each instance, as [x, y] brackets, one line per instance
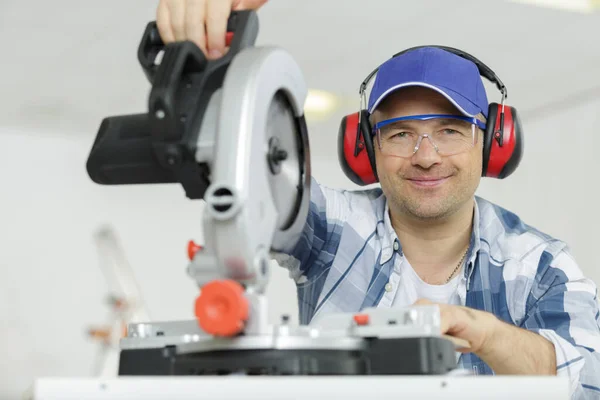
[448, 136]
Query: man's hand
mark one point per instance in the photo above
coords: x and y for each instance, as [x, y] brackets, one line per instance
[204, 22]
[474, 326]
[506, 348]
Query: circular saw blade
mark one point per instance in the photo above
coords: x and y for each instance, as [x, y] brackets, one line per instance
[285, 161]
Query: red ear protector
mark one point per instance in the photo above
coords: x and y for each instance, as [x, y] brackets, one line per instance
[502, 145]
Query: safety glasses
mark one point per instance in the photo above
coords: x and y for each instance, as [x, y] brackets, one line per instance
[448, 134]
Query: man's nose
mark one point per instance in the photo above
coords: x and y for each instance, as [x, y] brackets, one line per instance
[426, 153]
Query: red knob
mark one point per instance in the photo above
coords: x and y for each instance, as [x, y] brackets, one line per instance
[222, 309]
[361, 319]
[192, 249]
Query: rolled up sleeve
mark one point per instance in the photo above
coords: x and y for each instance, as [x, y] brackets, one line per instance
[563, 308]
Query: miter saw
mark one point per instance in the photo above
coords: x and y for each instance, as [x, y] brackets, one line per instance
[232, 132]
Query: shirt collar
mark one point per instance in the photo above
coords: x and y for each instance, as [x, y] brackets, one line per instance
[388, 236]
[475, 243]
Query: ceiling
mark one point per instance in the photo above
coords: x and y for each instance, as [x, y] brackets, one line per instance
[67, 64]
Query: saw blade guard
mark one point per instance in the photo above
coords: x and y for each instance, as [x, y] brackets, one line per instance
[259, 196]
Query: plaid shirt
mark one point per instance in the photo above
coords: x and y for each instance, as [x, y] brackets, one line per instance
[347, 254]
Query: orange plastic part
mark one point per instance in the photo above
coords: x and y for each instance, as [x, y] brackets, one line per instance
[361, 319]
[222, 309]
[99, 333]
[192, 249]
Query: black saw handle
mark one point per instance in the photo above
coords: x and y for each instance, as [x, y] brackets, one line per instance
[160, 145]
[242, 30]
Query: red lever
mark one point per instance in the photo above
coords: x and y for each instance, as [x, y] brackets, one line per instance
[192, 249]
[228, 38]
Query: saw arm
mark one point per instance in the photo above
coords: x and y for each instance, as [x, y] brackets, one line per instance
[231, 132]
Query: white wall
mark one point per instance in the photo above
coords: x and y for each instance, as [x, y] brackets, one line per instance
[52, 288]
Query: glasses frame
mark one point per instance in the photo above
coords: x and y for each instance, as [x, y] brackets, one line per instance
[425, 117]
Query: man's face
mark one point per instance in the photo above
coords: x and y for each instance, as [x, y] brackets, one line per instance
[426, 185]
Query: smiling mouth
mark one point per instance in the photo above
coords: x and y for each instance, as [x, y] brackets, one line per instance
[428, 182]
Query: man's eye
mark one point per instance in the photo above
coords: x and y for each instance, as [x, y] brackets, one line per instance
[451, 132]
[398, 135]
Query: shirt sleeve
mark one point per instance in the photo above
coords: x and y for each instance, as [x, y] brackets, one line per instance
[320, 237]
[563, 308]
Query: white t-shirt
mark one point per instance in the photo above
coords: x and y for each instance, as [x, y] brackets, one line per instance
[411, 288]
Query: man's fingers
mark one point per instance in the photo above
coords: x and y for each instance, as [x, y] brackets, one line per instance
[194, 23]
[447, 316]
[465, 325]
[163, 22]
[217, 14]
[203, 22]
[452, 319]
[177, 13]
[247, 4]
[447, 319]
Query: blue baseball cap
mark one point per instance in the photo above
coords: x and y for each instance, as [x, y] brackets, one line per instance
[454, 77]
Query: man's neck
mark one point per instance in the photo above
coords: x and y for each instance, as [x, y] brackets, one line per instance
[434, 247]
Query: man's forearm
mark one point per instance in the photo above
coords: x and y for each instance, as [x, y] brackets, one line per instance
[515, 351]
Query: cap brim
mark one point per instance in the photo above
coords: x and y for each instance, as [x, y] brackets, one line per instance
[460, 102]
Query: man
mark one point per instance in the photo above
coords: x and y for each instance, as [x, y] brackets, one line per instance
[514, 293]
